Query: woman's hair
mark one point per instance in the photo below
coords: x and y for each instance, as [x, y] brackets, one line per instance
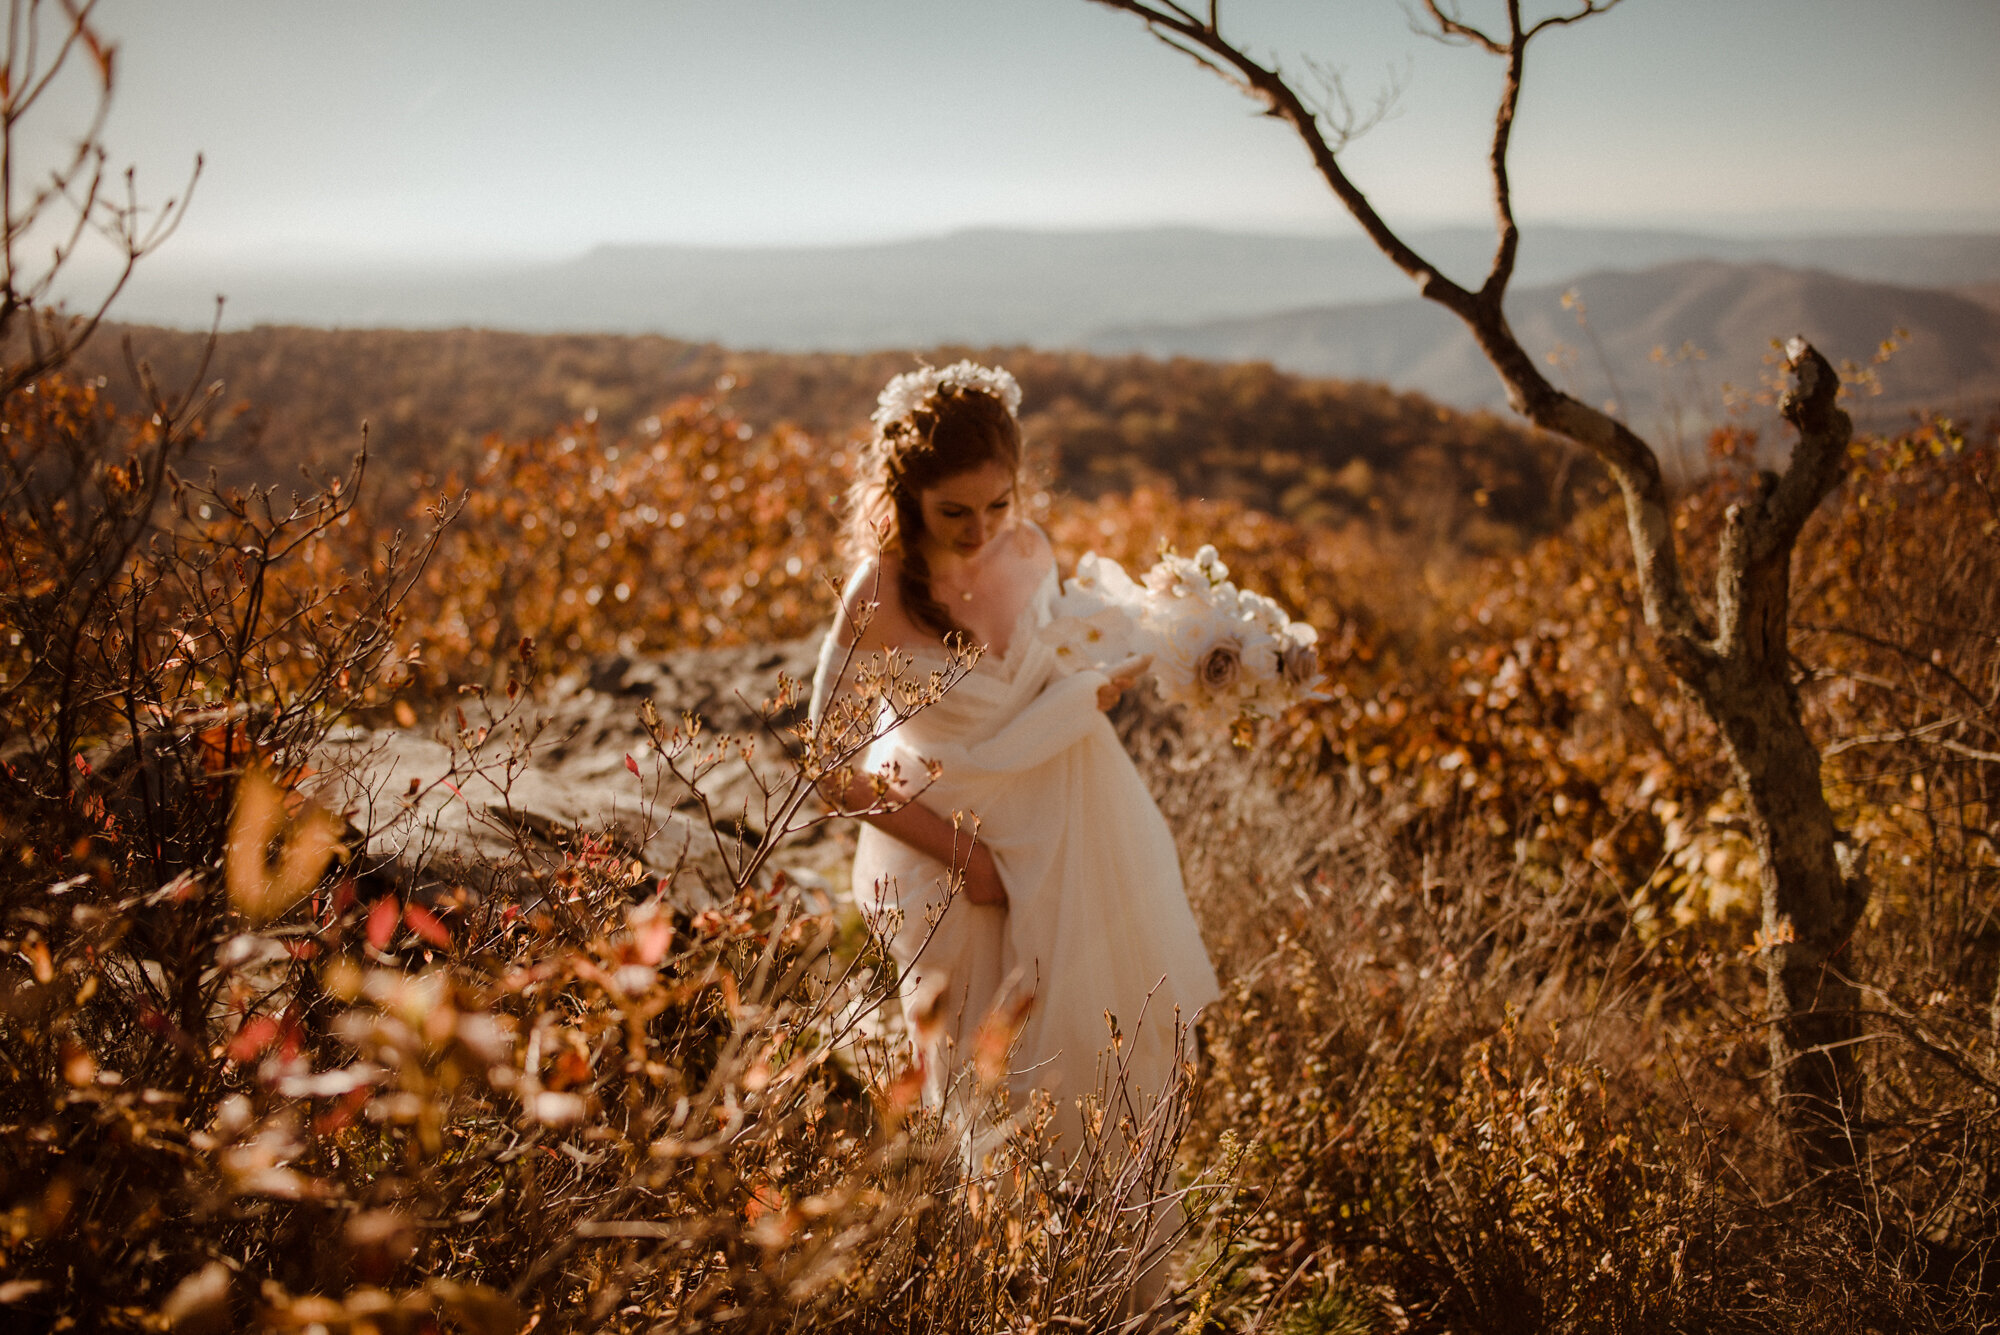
[954, 429]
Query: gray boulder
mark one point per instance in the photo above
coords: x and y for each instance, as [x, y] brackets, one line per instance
[516, 791]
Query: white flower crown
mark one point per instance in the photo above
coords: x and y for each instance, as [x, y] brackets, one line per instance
[913, 391]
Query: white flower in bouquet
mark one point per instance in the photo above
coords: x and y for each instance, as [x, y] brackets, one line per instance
[1197, 577]
[1230, 655]
[1099, 583]
[1108, 635]
[1298, 661]
[1178, 645]
[1262, 612]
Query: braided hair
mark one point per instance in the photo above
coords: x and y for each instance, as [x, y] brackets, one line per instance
[954, 430]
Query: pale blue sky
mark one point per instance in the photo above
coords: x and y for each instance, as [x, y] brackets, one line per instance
[476, 129]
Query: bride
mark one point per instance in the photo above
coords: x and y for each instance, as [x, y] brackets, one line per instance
[1072, 889]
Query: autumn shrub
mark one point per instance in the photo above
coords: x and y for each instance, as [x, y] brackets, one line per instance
[1514, 700]
[607, 1104]
[1493, 1033]
[1491, 1057]
[696, 530]
[1468, 1094]
[261, 1076]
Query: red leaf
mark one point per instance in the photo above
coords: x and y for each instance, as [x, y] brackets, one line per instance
[425, 924]
[571, 1069]
[382, 921]
[257, 1033]
[343, 1112]
[652, 936]
[632, 765]
[290, 1036]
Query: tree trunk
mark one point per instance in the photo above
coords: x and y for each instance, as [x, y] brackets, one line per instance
[1811, 906]
[1739, 670]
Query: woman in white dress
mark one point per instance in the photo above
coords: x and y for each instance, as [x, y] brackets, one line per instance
[1071, 885]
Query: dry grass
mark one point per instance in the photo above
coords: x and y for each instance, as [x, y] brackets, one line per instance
[1470, 1095]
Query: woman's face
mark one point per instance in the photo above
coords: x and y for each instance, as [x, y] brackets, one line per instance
[963, 513]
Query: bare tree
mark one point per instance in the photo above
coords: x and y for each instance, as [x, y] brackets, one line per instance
[1736, 662]
[61, 207]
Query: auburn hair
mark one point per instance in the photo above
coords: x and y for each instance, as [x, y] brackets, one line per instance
[958, 429]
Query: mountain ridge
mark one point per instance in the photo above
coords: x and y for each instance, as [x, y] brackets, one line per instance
[1680, 338]
[979, 286]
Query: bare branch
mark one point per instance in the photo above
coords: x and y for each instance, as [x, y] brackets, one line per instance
[1589, 9]
[1283, 103]
[1227, 76]
[79, 183]
[1632, 463]
[1820, 456]
[1339, 118]
[1502, 270]
[1450, 26]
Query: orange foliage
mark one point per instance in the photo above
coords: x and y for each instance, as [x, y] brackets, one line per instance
[1523, 685]
[1317, 451]
[696, 531]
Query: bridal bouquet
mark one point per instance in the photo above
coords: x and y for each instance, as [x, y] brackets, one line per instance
[1232, 656]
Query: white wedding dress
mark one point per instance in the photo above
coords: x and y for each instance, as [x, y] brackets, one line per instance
[1097, 919]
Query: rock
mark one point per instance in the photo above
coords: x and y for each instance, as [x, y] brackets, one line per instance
[514, 796]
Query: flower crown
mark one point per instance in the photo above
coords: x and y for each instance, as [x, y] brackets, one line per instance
[912, 392]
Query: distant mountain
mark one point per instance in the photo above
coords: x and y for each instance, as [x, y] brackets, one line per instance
[1662, 341]
[981, 287]
[1986, 294]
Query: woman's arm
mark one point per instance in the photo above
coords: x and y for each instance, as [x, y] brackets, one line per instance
[856, 633]
[898, 815]
[956, 846]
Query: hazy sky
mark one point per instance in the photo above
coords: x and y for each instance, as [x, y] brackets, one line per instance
[473, 129]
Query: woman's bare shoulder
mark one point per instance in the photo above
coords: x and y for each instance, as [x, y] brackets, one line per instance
[1031, 546]
[871, 606]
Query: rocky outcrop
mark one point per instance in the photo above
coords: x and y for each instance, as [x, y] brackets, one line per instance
[571, 771]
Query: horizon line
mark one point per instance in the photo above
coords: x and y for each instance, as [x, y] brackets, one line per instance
[307, 256]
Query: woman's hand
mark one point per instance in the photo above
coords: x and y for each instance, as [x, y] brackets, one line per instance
[1123, 676]
[982, 877]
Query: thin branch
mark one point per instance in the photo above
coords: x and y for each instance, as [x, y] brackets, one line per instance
[1336, 110]
[1283, 103]
[1502, 271]
[1450, 25]
[1590, 9]
[1971, 753]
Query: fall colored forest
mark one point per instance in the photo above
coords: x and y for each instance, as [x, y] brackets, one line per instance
[1315, 451]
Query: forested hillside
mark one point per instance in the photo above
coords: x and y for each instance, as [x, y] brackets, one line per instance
[1315, 450]
[429, 904]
